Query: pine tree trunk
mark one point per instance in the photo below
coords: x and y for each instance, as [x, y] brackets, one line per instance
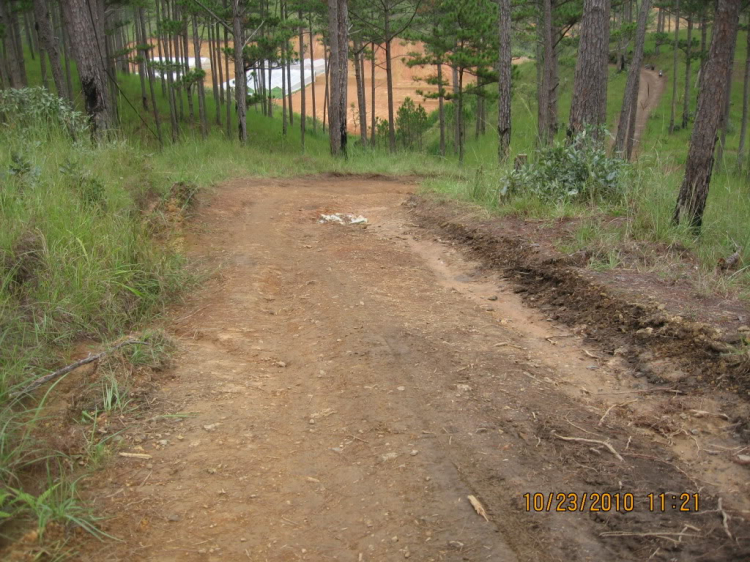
[288, 66]
[627, 17]
[338, 65]
[240, 79]
[688, 55]
[4, 77]
[360, 92]
[43, 69]
[86, 31]
[160, 47]
[505, 66]
[228, 90]
[549, 74]
[630, 99]
[659, 28]
[389, 87]
[343, 38]
[141, 40]
[49, 44]
[441, 108]
[724, 126]
[373, 119]
[11, 45]
[219, 69]
[589, 107]
[201, 89]
[150, 72]
[65, 42]
[29, 36]
[185, 58]
[214, 73]
[327, 61]
[541, 77]
[745, 106]
[303, 108]
[691, 201]
[460, 117]
[456, 120]
[675, 68]
[312, 69]
[283, 91]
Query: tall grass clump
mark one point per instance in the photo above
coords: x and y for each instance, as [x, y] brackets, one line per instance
[77, 260]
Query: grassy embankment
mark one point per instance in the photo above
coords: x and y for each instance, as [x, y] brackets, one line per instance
[81, 261]
[87, 256]
[651, 185]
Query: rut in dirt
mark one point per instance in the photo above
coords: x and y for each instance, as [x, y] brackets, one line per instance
[339, 395]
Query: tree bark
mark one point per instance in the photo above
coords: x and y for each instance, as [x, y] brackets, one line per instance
[589, 107]
[240, 79]
[389, 86]
[49, 44]
[149, 70]
[504, 83]
[201, 89]
[627, 16]
[362, 107]
[86, 33]
[14, 61]
[141, 40]
[691, 201]
[549, 75]
[688, 55]
[303, 108]
[373, 119]
[630, 99]
[214, 73]
[338, 65]
[724, 126]
[441, 108]
[675, 68]
[312, 69]
[745, 107]
[283, 90]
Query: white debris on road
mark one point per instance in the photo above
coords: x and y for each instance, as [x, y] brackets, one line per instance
[341, 218]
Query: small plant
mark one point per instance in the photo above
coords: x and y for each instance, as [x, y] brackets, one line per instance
[36, 109]
[156, 354]
[579, 170]
[57, 504]
[411, 124]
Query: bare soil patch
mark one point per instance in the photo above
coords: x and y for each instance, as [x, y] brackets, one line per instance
[341, 392]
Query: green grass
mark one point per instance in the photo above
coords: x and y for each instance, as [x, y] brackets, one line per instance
[652, 189]
[78, 262]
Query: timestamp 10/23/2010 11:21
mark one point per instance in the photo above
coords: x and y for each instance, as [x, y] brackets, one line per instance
[623, 502]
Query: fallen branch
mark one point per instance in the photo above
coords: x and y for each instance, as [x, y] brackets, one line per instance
[609, 447]
[601, 421]
[72, 367]
[478, 507]
[724, 520]
[143, 456]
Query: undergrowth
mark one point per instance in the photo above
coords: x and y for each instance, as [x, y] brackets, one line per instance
[77, 264]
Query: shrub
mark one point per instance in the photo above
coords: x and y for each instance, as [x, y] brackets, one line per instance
[577, 170]
[36, 109]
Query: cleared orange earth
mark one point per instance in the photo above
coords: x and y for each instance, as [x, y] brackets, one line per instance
[406, 81]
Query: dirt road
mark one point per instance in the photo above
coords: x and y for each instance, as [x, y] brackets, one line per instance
[650, 89]
[342, 391]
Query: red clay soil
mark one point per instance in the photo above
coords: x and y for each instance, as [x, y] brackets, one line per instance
[385, 392]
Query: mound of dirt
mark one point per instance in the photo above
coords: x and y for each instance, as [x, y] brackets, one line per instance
[634, 315]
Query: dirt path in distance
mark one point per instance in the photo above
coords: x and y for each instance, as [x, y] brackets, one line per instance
[341, 392]
[650, 90]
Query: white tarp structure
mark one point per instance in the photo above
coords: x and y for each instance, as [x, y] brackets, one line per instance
[295, 72]
[205, 64]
